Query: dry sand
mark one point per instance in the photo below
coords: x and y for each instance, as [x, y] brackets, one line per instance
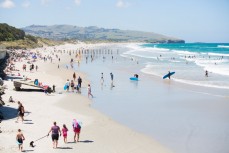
[99, 133]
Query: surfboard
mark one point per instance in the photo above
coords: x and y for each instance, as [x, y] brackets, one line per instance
[134, 79]
[167, 75]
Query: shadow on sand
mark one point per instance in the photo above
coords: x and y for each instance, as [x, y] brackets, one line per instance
[64, 148]
[30, 90]
[8, 112]
[13, 77]
[86, 141]
[27, 150]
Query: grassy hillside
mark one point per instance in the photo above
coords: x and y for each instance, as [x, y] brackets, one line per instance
[11, 37]
[92, 33]
[9, 33]
[27, 43]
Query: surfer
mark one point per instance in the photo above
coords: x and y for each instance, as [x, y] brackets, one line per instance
[169, 74]
[136, 75]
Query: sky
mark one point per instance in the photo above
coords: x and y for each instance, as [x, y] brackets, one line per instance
[190, 20]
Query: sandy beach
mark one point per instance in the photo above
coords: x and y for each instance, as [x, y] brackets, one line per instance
[99, 133]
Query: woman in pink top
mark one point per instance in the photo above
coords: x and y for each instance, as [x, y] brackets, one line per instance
[76, 128]
[64, 132]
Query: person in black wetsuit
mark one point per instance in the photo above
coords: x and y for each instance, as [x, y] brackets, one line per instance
[169, 74]
[136, 75]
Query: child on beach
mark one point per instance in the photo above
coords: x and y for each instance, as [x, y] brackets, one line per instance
[11, 99]
[89, 91]
[19, 138]
[64, 133]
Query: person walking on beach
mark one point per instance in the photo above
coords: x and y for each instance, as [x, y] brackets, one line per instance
[112, 77]
[76, 128]
[36, 67]
[21, 111]
[72, 85]
[65, 133]
[74, 76]
[20, 138]
[169, 74]
[102, 79]
[55, 134]
[89, 91]
[79, 81]
[206, 73]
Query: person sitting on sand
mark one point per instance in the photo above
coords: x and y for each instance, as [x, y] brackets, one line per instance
[20, 138]
[55, 134]
[11, 99]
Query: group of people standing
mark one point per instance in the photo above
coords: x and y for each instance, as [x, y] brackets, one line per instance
[72, 84]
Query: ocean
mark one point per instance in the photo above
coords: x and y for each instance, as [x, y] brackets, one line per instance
[185, 120]
[189, 61]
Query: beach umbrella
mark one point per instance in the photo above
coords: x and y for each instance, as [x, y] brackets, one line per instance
[34, 56]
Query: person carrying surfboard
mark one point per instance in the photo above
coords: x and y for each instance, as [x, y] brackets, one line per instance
[169, 74]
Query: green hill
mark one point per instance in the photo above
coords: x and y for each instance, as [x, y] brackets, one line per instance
[9, 33]
[92, 33]
[11, 37]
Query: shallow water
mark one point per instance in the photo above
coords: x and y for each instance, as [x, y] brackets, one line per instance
[186, 120]
[189, 61]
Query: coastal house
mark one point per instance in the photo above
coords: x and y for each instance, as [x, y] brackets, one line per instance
[2, 52]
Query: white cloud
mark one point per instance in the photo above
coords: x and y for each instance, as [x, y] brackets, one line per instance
[77, 2]
[7, 4]
[122, 4]
[45, 2]
[26, 4]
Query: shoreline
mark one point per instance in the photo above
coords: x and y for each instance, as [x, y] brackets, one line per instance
[99, 132]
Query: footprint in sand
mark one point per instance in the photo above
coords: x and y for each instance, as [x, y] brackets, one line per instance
[14, 148]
